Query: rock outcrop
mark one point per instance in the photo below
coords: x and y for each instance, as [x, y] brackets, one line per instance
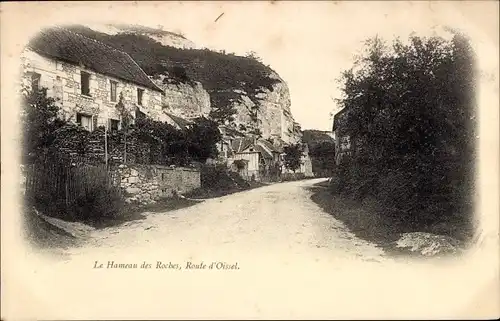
[274, 118]
[427, 244]
[166, 38]
[184, 100]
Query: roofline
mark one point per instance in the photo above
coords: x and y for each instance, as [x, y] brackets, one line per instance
[105, 45]
[335, 117]
[157, 88]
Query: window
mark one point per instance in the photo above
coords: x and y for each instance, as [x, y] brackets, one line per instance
[85, 83]
[84, 120]
[114, 124]
[35, 82]
[140, 93]
[139, 114]
[113, 90]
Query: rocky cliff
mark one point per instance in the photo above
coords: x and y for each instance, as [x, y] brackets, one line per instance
[198, 81]
[164, 37]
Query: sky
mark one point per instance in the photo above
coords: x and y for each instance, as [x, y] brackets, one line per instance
[308, 43]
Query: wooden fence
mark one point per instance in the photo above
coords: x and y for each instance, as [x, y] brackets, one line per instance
[64, 181]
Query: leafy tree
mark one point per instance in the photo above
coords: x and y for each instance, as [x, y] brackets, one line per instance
[39, 121]
[202, 138]
[222, 109]
[321, 151]
[127, 120]
[322, 156]
[292, 158]
[170, 145]
[410, 118]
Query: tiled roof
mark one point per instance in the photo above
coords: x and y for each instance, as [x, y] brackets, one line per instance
[181, 122]
[62, 44]
[241, 144]
[265, 153]
[269, 145]
[265, 148]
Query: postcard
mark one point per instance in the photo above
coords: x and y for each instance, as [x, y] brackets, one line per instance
[250, 160]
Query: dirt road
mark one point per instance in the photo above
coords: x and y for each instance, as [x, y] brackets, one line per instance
[273, 252]
[279, 218]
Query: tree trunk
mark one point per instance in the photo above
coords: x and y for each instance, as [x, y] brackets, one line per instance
[125, 149]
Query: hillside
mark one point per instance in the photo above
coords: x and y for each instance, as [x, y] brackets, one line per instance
[238, 89]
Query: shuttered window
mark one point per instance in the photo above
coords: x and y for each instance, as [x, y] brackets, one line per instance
[85, 83]
[113, 90]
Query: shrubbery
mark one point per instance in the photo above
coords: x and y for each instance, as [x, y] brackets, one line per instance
[219, 178]
[99, 204]
[59, 144]
[410, 119]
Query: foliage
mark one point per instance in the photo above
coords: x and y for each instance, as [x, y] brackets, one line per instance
[74, 192]
[178, 146]
[322, 157]
[292, 158]
[219, 178]
[99, 204]
[410, 119]
[39, 122]
[288, 177]
[44, 134]
[321, 151]
[202, 138]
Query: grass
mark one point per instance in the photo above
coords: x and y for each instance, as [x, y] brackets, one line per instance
[370, 222]
[133, 212]
[365, 222]
[40, 233]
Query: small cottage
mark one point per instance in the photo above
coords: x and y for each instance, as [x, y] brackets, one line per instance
[261, 158]
[87, 78]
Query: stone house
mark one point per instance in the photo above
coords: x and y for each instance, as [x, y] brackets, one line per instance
[87, 78]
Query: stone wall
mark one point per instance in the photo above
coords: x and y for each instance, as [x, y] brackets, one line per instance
[147, 183]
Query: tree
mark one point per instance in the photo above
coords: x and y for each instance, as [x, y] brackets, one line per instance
[202, 139]
[292, 158]
[410, 119]
[126, 118]
[322, 155]
[39, 122]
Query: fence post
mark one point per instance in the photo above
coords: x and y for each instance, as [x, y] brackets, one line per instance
[66, 187]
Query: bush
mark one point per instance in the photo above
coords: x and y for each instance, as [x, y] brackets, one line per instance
[408, 113]
[100, 204]
[73, 192]
[219, 178]
[286, 177]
